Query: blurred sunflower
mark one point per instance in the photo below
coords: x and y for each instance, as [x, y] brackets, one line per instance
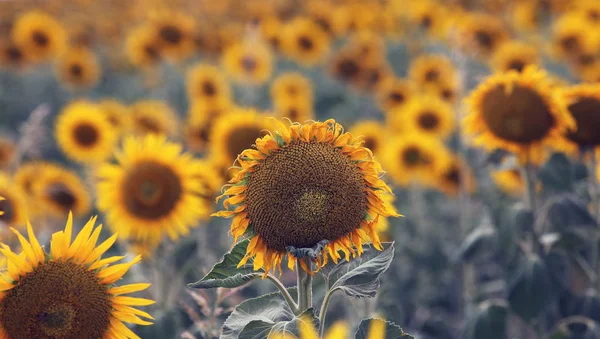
[346, 67]
[84, 133]
[394, 93]
[151, 191]
[291, 86]
[153, 117]
[321, 13]
[305, 41]
[571, 36]
[39, 35]
[12, 56]
[142, 47]
[78, 68]
[8, 151]
[234, 132]
[482, 34]
[69, 292]
[372, 134]
[414, 158]
[589, 10]
[116, 113]
[430, 69]
[305, 188]
[295, 110]
[211, 182]
[429, 16]
[369, 46]
[59, 191]
[526, 15]
[518, 112]
[271, 31]
[445, 91]
[14, 205]
[248, 62]
[426, 115]
[208, 83]
[509, 181]
[174, 32]
[453, 175]
[337, 330]
[514, 55]
[584, 106]
[373, 75]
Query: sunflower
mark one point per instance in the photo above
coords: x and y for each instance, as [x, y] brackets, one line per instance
[526, 15]
[142, 47]
[432, 69]
[373, 75]
[59, 191]
[369, 46]
[151, 191]
[304, 41]
[509, 181]
[427, 115]
[174, 32]
[271, 31]
[116, 113]
[14, 205]
[346, 67]
[69, 292]
[208, 83]
[518, 112]
[153, 117]
[571, 36]
[584, 106]
[78, 68]
[8, 151]
[445, 91]
[338, 330]
[371, 133]
[84, 133]
[590, 10]
[295, 110]
[12, 56]
[414, 158]
[453, 175]
[394, 93]
[234, 132]
[514, 55]
[40, 35]
[429, 16]
[482, 34]
[321, 13]
[305, 188]
[248, 63]
[291, 86]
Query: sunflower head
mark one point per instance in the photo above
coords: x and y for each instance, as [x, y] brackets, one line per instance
[432, 69]
[69, 292]
[305, 41]
[291, 86]
[248, 62]
[271, 31]
[60, 191]
[518, 112]
[372, 133]
[15, 204]
[174, 32]
[514, 55]
[12, 56]
[482, 34]
[153, 117]
[40, 35]
[455, 175]
[584, 106]
[142, 47]
[509, 181]
[208, 83]
[394, 93]
[429, 17]
[305, 189]
[427, 115]
[116, 113]
[78, 68]
[84, 133]
[571, 36]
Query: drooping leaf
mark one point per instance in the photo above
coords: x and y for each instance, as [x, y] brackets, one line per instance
[564, 211]
[557, 174]
[392, 331]
[360, 277]
[489, 322]
[481, 239]
[226, 273]
[576, 327]
[531, 290]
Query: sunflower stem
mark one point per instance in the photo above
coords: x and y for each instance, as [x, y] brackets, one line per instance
[323, 312]
[304, 285]
[284, 292]
[529, 200]
[595, 211]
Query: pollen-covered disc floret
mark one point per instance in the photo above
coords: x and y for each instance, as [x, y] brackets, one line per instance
[308, 186]
[69, 292]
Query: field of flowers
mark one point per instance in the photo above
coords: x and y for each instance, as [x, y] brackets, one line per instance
[367, 169]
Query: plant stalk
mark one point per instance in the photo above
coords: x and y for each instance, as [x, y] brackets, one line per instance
[323, 312]
[304, 285]
[595, 212]
[530, 200]
[284, 292]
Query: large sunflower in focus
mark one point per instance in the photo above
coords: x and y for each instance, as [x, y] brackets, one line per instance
[153, 117]
[248, 62]
[584, 106]
[427, 115]
[14, 205]
[78, 68]
[305, 41]
[306, 188]
[40, 35]
[60, 191]
[151, 191]
[69, 292]
[206, 82]
[234, 132]
[518, 112]
[84, 133]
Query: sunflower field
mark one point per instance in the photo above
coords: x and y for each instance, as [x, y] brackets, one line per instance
[300, 169]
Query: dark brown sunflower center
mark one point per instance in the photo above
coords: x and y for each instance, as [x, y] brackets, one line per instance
[413, 157]
[305, 193]
[14, 54]
[517, 65]
[570, 43]
[447, 94]
[594, 15]
[426, 22]
[62, 195]
[86, 134]
[586, 112]
[453, 176]
[484, 39]
[208, 88]
[428, 121]
[151, 190]
[171, 34]
[520, 116]
[6, 207]
[397, 97]
[370, 143]
[242, 138]
[249, 64]
[40, 38]
[586, 59]
[149, 125]
[432, 75]
[76, 70]
[293, 114]
[305, 43]
[373, 76]
[348, 69]
[151, 52]
[57, 300]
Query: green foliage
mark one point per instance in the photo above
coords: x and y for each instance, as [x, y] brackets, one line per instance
[489, 321]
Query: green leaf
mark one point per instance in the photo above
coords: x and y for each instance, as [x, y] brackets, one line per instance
[392, 331]
[556, 175]
[258, 317]
[489, 321]
[226, 273]
[359, 278]
[481, 239]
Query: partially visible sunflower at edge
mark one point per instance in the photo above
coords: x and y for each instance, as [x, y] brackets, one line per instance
[14, 205]
[518, 112]
[305, 188]
[151, 191]
[583, 104]
[69, 292]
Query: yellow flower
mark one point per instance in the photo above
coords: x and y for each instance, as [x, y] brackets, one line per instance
[39, 35]
[174, 32]
[207, 83]
[271, 31]
[509, 181]
[455, 174]
[584, 106]
[295, 110]
[116, 113]
[201, 118]
[481, 34]
[69, 292]
[372, 134]
[394, 93]
[151, 191]
[78, 68]
[83, 133]
[248, 62]
[430, 69]
[428, 16]
[59, 191]
[308, 186]
[12, 56]
[518, 112]
[305, 41]
[514, 55]
[291, 86]
[142, 47]
[14, 205]
[572, 35]
[426, 115]
[153, 117]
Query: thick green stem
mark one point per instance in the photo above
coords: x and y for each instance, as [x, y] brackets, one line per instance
[530, 201]
[284, 292]
[304, 285]
[595, 211]
[323, 312]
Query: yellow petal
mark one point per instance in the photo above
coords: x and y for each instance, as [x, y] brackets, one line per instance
[35, 245]
[131, 301]
[128, 288]
[111, 274]
[120, 328]
[106, 261]
[103, 247]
